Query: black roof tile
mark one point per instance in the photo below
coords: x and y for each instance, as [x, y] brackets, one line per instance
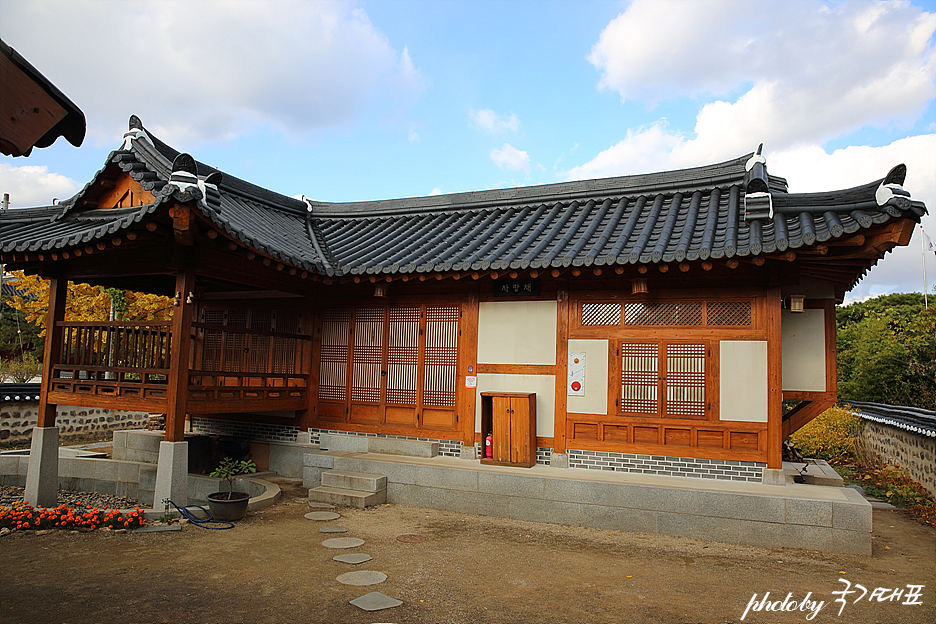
[685, 215]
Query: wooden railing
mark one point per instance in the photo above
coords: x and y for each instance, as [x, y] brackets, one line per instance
[126, 360]
[127, 363]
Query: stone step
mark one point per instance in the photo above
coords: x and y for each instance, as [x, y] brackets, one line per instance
[348, 480]
[348, 498]
[386, 446]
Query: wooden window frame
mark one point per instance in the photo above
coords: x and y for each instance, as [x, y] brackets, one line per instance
[615, 374]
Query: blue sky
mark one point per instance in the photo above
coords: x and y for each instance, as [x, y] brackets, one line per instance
[345, 101]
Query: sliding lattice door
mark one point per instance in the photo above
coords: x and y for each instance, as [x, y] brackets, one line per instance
[393, 366]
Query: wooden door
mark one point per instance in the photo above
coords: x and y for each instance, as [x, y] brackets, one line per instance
[399, 364]
[502, 428]
[520, 451]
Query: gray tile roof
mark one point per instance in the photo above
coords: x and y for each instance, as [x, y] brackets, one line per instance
[696, 214]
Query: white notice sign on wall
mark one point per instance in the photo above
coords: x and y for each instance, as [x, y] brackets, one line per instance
[576, 382]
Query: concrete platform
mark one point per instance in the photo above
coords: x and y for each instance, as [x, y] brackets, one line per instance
[795, 515]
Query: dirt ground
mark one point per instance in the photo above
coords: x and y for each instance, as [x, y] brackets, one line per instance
[470, 569]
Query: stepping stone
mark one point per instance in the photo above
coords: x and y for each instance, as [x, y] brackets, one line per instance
[332, 529]
[361, 577]
[343, 542]
[322, 515]
[353, 558]
[318, 505]
[375, 601]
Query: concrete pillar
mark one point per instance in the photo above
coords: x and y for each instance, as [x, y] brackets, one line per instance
[304, 437]
[42, 474]
[558, 460]
[172, 474]
[774, 476]
[468, 451]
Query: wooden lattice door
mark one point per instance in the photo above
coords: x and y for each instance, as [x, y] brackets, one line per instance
[663, 379]
[393, 366]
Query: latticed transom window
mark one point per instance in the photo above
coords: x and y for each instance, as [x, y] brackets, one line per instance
[399, 355]
[667, 314]
[663, 379]
[729, 313]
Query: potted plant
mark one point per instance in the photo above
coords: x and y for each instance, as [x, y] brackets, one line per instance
[230, 505]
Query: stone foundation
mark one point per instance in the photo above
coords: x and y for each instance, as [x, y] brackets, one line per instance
[19, 418]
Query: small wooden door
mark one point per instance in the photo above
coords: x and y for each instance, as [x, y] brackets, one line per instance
[511, 418]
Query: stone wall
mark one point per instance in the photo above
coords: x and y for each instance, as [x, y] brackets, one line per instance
[17, 419]
[914, 452]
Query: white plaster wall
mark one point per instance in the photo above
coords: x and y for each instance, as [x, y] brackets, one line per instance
[803, 344]
[517, 332]
[595, 400]
[543, 385]
[743, 380]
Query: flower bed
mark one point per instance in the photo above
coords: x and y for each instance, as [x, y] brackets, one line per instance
[23, 516]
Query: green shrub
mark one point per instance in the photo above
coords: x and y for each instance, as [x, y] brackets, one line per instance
[831, 436]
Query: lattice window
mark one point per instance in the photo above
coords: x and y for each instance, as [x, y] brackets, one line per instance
[213, 340]
[258, 354]
[440, 357]
[663, 379]
[729, 313]
[601, 314]
[333, 366]
[368, 355]
[640, 378]
[286, 350]
[685, 380]
[665, 313]
[235, 345]
[403, 355]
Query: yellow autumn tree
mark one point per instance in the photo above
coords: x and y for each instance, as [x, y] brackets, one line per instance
[88, 303]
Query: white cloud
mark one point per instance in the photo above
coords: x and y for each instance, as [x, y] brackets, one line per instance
[809, 71]
[509, 158]
[413, 135]
[489, 121]
[213, 69]
[32, 185]
[435, 191]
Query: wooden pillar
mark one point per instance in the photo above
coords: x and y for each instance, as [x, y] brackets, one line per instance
[180, 356]
[468, 357]
[774, 380]
[52, 350]
[307, 358]
[560, 421]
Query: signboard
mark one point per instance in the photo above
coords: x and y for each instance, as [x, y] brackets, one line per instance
[516, 288]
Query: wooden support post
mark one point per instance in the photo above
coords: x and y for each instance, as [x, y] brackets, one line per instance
[180, 356]
[562, 361]
[468, 354]
[52, 350]
[774, 380]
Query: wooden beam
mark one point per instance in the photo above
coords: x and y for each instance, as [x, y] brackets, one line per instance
[52, 349]
[180, 348]
[562, 360]
[800, 415]
[183, 224]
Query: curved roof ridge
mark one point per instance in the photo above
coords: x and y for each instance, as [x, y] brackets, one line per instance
[678, 180]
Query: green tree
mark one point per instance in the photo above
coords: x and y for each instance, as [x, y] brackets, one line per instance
[887, 351]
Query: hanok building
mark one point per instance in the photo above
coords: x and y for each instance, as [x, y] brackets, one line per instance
[647, 323]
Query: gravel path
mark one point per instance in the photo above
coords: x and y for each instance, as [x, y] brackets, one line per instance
[88, 500]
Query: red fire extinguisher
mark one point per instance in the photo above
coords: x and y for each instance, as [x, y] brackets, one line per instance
[489, 446]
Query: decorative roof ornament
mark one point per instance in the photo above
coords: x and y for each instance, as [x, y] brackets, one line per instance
[184, 177]
[136, 131]
[891, 191]
[758, 202]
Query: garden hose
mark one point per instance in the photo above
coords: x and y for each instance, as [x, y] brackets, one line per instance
[196, 520]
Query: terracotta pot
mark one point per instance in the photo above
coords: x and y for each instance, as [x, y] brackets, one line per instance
[228, 506]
